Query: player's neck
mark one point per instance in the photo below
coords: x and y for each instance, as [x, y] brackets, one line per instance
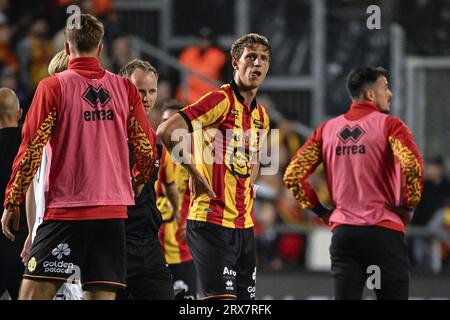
[365, 101]
[82, 55]
[6, 123]
[249, 96]
[74, 54]
[247, 93]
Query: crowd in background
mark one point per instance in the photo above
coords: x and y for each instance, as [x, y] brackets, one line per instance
[29, 39]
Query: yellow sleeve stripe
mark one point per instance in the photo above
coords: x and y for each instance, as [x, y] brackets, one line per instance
[30, 162]
[298, 169]
[411, 170]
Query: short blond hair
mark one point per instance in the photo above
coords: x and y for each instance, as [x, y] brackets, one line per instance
[87, 35]
[248, 40]
[58, 63]
[135, 64]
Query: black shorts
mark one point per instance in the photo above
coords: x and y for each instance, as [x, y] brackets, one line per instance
[225, 260]
[148, 276]
[11, 266]
[369, 256]
[184, 278]
[92, 251]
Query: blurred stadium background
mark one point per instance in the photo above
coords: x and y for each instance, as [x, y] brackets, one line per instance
[314, 45]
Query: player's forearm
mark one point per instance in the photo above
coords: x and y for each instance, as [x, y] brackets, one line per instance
[178, 145]
[255, 171]
[165, 134]
[30, 207]
[172, 195]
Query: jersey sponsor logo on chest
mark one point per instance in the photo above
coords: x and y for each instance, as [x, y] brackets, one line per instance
[97, 98]
[348, 135]
[257, 123]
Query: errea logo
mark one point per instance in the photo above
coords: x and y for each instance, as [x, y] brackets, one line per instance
[180, 284]
[60, 250]
[96, 97]
[351, 133]
[229, 285]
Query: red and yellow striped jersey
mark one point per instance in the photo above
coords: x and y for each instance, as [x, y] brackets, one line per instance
[166, 175]
[227, 134]
[174, 247]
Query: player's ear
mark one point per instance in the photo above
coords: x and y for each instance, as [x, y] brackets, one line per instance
[369, 94]
[234, 63]
[67, 47]
[19, 114]
[99, 49]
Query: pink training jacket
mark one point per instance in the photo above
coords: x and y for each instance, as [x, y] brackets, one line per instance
[86, 114]
[90, 164]
[366, 156]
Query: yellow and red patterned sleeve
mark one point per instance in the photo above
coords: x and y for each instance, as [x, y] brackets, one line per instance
[405, 150]
[36, 131]
[141, 137]
[304, 162]
[210, 109]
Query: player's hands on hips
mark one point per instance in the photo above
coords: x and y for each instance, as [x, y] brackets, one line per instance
[137, 188]
[326, 217]
[198, 185]
[177, 215]
[402, 212]
[181, 232]
[26, 249]
[9, 215]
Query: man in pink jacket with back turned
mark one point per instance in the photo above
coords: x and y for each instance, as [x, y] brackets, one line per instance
[368, 156]
[86, 115]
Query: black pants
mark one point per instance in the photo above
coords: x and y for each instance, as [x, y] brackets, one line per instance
[372, 256]
[184, 278]
[148, 276]
[11, 266]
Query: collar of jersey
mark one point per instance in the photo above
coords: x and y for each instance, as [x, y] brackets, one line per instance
[241, 99]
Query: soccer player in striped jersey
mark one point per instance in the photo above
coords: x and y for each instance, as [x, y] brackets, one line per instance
[172, 233]
[228, 126]
[367, 156]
